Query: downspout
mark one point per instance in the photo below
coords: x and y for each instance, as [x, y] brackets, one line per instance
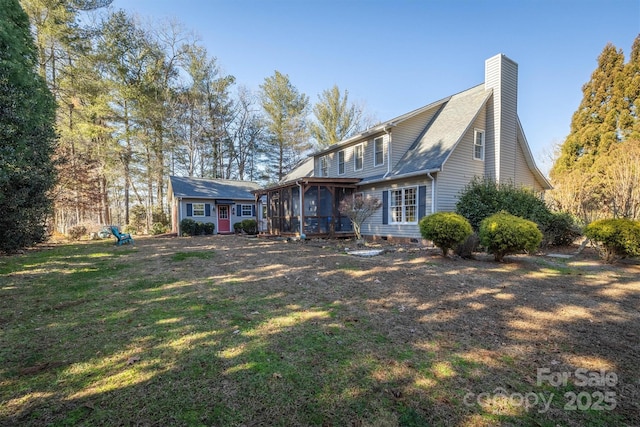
[387, 130]
[179, 216]
[302, 235]
[433, 192]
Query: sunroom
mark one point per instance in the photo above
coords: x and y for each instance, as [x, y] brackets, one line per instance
[308, 207]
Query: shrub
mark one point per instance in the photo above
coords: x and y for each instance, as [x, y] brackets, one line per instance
[504, 234]
[237, 227]
[250, 226]
[209, 228]
[158, 228]
[445, 229]
[615, 238]
[75, 233]
[483, 197]
[468, 247]
[198, 229]
[561, 229]
[188, 227]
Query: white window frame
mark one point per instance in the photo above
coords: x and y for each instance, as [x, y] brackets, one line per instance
[478, 135]
[242, 212]
[375, 151]
[360, 148]
[198, 207]
[404, 209]
[341, 162]
[324, 166]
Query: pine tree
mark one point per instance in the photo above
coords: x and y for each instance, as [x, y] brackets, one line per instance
[337, 119]
[27, 117]
[286, 113]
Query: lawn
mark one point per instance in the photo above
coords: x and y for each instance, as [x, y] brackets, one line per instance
[231, 331]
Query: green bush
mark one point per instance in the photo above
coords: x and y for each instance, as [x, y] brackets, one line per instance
[561, 229]
[237, 227]
[75, 233]
[209, 228]
[250, 226]
[198, 229]
[504, 234]
[445, 229]
[615, 238]
[158, 228]
[188, 227]
[482, 198]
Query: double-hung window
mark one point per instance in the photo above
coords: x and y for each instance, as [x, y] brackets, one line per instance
[378, 151]
[478, 145]
[198, 209]
[403, 205]
[246, 210]
[324, 166]
[358, 157]
[341, 162]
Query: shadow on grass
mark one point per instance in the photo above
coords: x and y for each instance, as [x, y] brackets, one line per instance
[250, 332]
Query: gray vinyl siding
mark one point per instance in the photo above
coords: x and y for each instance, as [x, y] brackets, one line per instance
[368, 168]
[524, 176]
[460, 168]
[502, 77]
[374, 226]
[405, 134]
[234, 211]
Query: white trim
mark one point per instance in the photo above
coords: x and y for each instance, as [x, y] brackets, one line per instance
[355, 157]
[193, 209]
[483, 146]
[403, 206]
[381, 139]
[344, 162]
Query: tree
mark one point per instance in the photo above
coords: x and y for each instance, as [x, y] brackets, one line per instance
[358, 209]
[286, 122]
[590, 176]
[27, 118]
[337, 119]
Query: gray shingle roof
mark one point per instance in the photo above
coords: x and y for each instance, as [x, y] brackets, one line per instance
[432, 148]
[212, 188]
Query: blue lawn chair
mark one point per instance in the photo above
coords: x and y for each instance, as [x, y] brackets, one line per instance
[122, 237]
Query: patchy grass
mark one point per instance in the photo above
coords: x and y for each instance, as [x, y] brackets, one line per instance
[222, 330]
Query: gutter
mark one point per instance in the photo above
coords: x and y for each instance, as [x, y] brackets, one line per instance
[395, 177]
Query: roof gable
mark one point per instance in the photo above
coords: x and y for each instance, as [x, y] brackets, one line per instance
[201, 188]
[436, 143]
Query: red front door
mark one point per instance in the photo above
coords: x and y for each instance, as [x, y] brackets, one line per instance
[224, 223]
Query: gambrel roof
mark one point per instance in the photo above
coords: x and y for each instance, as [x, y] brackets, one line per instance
[200, 188]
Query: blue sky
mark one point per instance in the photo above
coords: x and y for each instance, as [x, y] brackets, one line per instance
[396, 56]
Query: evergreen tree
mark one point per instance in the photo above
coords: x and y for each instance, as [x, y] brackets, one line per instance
[27, 117]
[591, 175]
[337, 119]
[286, 121]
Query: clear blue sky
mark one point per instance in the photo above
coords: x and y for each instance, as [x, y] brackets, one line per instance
[396, 56]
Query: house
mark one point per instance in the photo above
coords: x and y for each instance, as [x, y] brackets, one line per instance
[415, 164]
[220, 201]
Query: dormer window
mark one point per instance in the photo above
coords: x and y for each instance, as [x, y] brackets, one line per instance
[478, 145]
[358, 157]
[378, 151]
[324, 166]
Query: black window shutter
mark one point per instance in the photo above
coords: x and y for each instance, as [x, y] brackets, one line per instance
[422, 201]
[207, 209]
[253, 210]
[189, 209]
[385, 207]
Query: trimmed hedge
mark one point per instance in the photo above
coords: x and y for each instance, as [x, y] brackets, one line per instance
[250, 226]
[503, 234]
[445, 230]
[615, 238]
